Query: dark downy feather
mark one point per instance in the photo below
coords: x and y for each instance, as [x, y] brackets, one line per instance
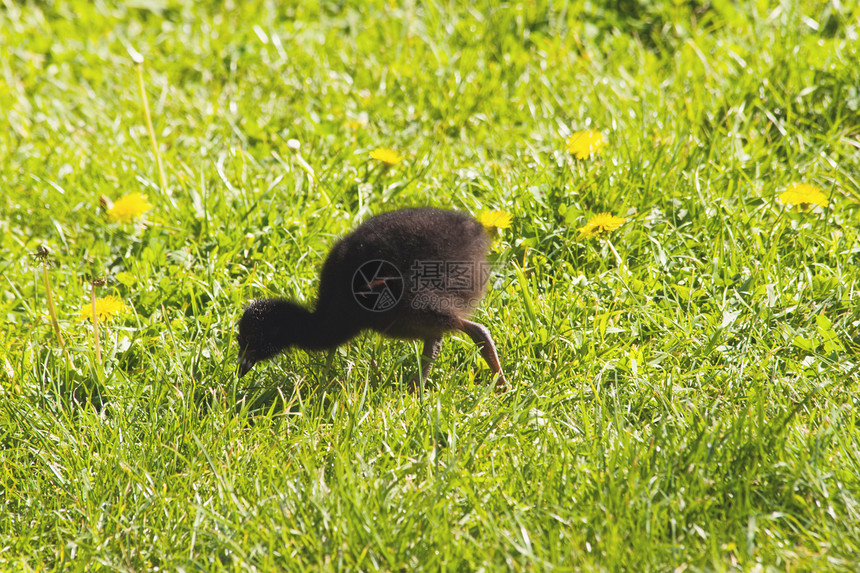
[411, 274]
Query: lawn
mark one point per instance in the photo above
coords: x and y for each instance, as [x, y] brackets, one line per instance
[684, 381]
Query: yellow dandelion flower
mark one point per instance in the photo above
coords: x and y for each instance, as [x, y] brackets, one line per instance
[128, 208]
[387, 156]
[583, 144]
[492, 220]
[601, 224]
[803, 196]
[353, 124]
[106, 307]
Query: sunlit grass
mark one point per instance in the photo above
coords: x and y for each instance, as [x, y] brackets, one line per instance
[683, 368]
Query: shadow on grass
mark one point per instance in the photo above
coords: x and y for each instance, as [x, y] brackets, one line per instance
[314, 386]
[292, 395]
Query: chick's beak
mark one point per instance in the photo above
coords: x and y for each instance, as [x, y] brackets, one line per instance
[245, 364]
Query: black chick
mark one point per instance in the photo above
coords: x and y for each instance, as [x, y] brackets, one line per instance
[411, 274]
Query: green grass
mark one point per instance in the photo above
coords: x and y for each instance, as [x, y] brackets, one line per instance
[693, 407]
